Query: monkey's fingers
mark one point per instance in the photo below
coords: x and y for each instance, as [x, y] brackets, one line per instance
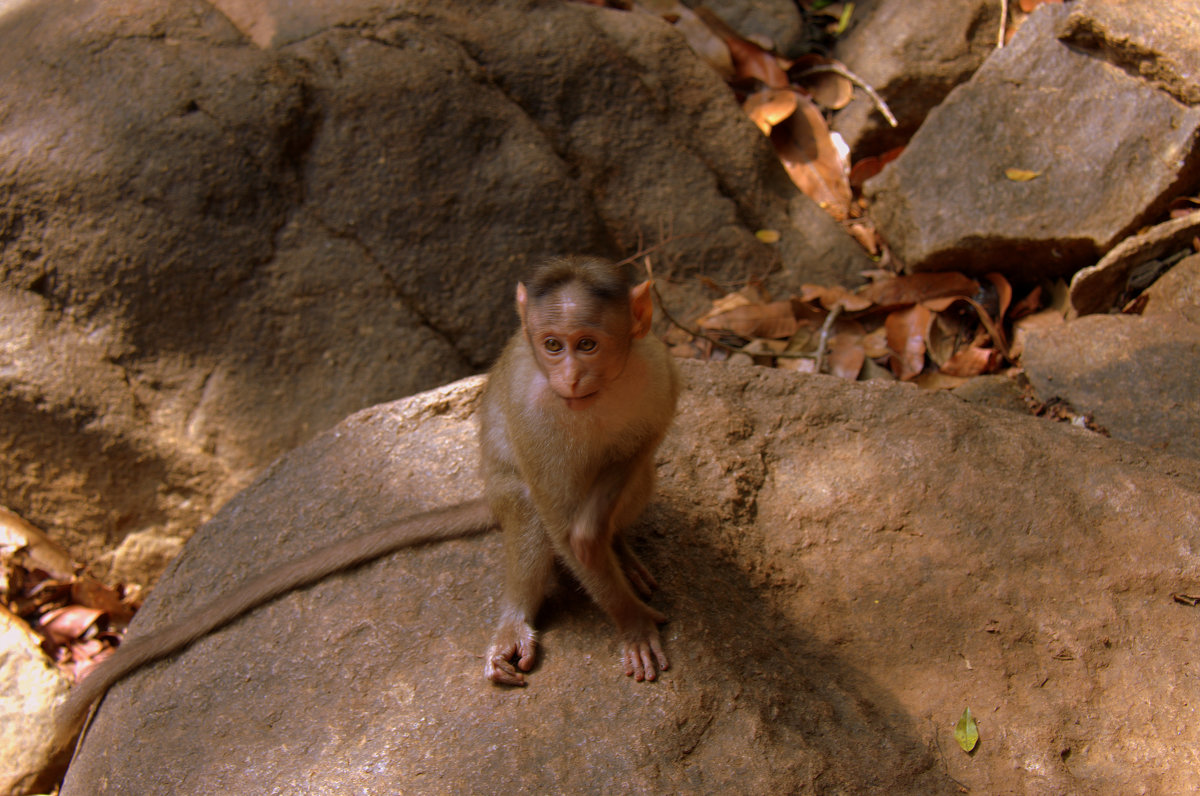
[639, 577]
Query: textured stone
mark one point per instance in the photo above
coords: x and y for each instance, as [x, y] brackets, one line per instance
[846, 567]
[1109, 151]
[911, 63]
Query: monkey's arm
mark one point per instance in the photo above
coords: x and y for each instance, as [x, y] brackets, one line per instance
[464, 519]
[617, 497]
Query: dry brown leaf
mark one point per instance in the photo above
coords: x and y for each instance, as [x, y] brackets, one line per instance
[830, 297]
[828, 89]
[805, 148]
[875, 343]
[755, 320]
[971, 361]
[922, 287]
[846, 354]
[907, 330]
[1028, 305]
[1003, 293]
[1021, 175]
[863, 231]
[868, 167]
[66, 625]
[769, 107]
[92, 593]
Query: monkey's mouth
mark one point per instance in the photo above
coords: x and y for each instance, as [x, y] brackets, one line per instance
[580, 402]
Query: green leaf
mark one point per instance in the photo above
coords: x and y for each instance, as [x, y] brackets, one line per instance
[966, 732]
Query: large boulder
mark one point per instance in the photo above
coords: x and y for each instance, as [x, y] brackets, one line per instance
[846, 568]
[1049, 156]
[911, 63]
[224, 226]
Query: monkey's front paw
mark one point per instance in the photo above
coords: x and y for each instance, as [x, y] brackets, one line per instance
[498, 663]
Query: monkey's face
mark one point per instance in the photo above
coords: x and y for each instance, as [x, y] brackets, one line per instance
[580, 345]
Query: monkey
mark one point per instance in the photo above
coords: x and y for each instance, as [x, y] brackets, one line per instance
[570, 420]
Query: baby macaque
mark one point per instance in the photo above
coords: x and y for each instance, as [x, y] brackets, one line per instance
[572, 416]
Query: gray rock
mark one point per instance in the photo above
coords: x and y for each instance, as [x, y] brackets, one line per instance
[1110, 150]
[777, 22]
[913, 63]
[846, 567]
[1177, 292]
[236, 228]
[1135, 375]
[1156, 42]
[1103, 286]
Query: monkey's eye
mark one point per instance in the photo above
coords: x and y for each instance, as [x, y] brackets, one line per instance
[586, 344]
[552, 345]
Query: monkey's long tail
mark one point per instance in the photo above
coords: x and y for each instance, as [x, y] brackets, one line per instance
[465, 519]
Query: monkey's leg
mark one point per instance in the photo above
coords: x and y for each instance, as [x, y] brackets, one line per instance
[637, 623]
[529, 568]
[639, 577]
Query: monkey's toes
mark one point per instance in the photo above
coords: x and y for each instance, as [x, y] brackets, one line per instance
[644, 659]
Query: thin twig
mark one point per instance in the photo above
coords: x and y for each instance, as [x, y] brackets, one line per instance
[823, 337]
[659, 245]
[1003, 23]
[839, 69]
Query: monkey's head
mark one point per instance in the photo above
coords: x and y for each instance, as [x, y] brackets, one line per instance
[581, 317]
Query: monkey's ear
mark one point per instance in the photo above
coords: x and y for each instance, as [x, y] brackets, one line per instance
[642, 305]
[522, 299]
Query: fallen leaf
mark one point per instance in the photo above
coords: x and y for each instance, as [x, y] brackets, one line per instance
[1003, 293]
[907, 330]
[827, 88]
[66, 625]
[830, 297]
[970, 361]
[875, 343]
[769, 107]
[966, 732]
[805, 147]
[774, 320]
[868, 167]
[1021, 175]
[915, 288]
[846, 355]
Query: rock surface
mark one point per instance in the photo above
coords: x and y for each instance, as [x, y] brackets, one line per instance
[846, 567]
[236, 222]
[1106, 151]
[31, 686]
[1103, 287]
[1136, 375]
[911, 63]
